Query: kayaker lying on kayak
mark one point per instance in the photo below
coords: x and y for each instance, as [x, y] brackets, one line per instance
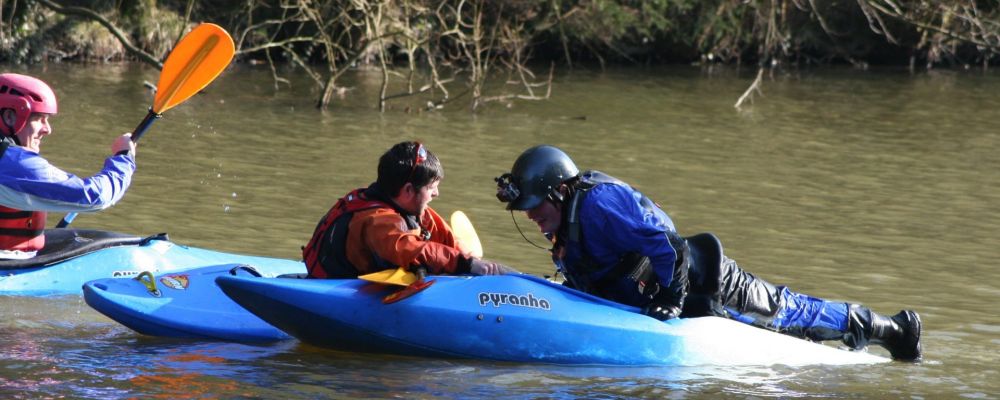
[29, 185]
[611, 241]
[389, 224]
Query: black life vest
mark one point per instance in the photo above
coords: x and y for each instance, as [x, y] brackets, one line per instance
[20, 230]
[325, 255]
[632, 280]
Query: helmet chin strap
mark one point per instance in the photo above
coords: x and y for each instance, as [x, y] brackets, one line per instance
[10, 128]
[556, 196]
[14, 138]
[522, 232]
[559, 193]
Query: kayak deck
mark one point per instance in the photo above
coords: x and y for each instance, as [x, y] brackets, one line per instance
[514, 318]
[124, 257]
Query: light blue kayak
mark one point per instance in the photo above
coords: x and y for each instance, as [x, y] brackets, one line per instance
[74, 256]
[185, 304]
[515, 318]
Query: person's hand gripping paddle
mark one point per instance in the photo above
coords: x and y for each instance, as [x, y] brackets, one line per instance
[198, 58]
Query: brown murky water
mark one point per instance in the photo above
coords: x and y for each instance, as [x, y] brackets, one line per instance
[872, 186]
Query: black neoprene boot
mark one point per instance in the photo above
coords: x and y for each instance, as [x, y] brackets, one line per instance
[900, 334]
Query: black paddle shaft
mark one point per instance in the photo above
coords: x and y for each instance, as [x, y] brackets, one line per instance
[144, 125]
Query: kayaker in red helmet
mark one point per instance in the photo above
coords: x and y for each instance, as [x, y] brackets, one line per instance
[390, 224]
[29, 185]
[612, 241]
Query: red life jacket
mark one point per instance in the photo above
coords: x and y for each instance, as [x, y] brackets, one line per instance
[21, 230]
[325, 254]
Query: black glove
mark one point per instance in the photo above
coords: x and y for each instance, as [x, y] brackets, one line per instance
[486, 267]
[661, 312]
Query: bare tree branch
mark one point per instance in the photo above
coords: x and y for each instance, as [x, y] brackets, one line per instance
[754, 87]
[90, 14]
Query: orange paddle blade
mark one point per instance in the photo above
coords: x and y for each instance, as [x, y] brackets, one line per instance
[198, 58]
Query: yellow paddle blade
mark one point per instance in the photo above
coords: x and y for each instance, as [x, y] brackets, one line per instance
[399, 277]
[198, 58]
[466, 235]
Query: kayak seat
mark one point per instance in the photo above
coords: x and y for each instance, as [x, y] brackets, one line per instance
[63, 244]
[704, 276]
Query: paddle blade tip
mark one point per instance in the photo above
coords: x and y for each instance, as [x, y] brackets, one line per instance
[465, 234]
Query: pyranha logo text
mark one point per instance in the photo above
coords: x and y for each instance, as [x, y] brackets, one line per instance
[498, 299]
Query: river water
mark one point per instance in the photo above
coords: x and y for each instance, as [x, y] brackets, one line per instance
[876, 186]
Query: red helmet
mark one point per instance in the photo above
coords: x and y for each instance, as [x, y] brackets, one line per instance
[25, 95]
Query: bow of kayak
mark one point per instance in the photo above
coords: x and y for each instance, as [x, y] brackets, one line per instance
[184, 304]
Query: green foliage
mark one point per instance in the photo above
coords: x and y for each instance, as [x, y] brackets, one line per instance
[18, 30]
[89, 40]
[32, 31]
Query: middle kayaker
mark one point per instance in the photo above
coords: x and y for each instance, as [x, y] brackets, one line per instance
[612, 241]
[389, 224]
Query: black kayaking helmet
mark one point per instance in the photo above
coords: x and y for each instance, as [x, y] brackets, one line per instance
[535, 176]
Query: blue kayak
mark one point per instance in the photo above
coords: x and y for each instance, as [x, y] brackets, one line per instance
[74, 256]
[515, 318]
[184, 304]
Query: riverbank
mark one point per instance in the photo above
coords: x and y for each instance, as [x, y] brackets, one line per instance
[566, 31]
[497, 52]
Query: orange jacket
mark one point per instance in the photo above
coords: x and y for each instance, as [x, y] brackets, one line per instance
[382, 233]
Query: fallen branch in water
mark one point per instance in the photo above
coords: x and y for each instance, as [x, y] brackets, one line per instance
[527, 84]
[754, 87]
